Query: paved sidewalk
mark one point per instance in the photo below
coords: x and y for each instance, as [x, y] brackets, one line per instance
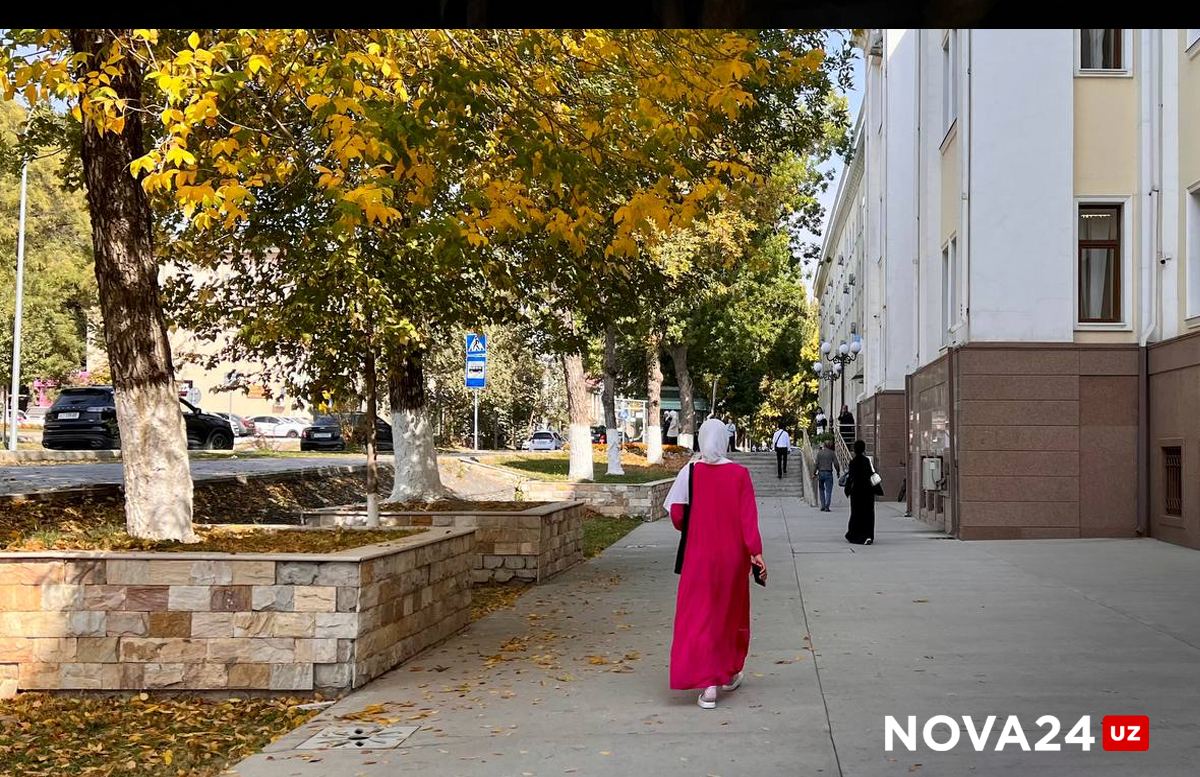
[574, 680]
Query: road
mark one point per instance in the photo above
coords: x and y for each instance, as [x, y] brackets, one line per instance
[32, 478]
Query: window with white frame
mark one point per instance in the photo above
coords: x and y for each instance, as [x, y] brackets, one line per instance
[1100, 264]
[949, 79]
[1103, 50]
[950, 292]
[1193, 253]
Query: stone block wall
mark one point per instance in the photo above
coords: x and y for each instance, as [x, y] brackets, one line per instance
[215, 621]
[644, 500]
[525, 545]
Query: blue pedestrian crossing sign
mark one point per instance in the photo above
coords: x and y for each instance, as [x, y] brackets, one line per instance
[476, 348]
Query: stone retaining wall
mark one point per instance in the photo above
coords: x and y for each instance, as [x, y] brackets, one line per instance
[644, 500]
[529, 545]
[109, 620]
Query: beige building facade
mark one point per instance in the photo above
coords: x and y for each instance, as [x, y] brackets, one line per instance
[1031, 278]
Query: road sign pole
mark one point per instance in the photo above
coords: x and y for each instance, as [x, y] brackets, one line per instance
[18, 303]
[476, 393]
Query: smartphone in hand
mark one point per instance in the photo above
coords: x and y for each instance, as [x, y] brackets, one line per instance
[760, 574]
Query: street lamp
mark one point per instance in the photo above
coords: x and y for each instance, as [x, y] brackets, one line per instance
[838, 358]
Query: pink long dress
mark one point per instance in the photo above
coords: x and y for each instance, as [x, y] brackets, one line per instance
[712, 607]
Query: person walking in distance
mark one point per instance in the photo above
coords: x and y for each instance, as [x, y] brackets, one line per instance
[821, 422]
[731, 429]
[827, 464]
[846, 420]
[782, 443]
[712, 503]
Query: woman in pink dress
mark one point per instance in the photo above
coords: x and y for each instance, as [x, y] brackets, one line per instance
[712, 608]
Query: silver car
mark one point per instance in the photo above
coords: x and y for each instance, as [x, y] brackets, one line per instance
[545, 441]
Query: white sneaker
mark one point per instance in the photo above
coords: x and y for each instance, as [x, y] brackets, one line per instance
[869, 541]
[733, 685]
[708, 699]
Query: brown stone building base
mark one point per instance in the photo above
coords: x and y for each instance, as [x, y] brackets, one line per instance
[1174, 417]
[881, 425]
[1036, 440]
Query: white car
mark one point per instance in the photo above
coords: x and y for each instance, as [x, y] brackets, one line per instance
[544, 440]
[278, 426]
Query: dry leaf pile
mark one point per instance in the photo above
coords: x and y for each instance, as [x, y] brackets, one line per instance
[106, 736]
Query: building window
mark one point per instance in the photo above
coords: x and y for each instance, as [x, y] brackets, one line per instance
[949, 79]
[1100, 264]
[950, 283]
[1101, 50]
[1173, 480]
[1193, 253]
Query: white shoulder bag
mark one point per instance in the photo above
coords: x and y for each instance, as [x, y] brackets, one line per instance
[875, 477]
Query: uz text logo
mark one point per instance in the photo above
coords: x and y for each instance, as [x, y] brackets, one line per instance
[1126, 732]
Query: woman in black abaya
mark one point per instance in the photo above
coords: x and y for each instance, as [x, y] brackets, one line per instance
[861, 491]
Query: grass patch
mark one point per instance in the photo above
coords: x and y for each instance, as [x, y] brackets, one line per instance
[112, 536]
[49, 736]
[554, 466]
[601, 531]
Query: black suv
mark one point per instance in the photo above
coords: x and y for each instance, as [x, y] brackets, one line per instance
[330, 432]
[86, 418]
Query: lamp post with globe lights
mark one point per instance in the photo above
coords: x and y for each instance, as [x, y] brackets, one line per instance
[838, 358]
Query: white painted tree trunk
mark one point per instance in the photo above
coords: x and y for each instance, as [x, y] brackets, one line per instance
[153, 454]
[614, 452]
[581, 466]
[609, 397]
[417, 476]
[416, 469]
[654, 445]
[687, 441]
[654, 381]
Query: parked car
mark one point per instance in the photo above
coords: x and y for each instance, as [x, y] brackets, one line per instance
[332, 432]
[544, 440]
[242, 427]
[599, 435]
[86, 418]
[277, 426]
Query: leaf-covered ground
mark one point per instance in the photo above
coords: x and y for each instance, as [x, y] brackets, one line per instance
[554, 466]
[102, 736]
[96, 521]
[113, 537]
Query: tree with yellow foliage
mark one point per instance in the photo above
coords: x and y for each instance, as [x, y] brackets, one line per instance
[211, 126]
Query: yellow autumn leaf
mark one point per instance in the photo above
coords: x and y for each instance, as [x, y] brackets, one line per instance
[193, 40]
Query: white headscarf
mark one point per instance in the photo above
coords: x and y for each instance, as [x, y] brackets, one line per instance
[713, 439]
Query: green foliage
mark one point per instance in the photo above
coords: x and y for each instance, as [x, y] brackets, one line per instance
[60, 283]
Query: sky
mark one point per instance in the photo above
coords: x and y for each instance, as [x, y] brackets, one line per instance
[855, 96]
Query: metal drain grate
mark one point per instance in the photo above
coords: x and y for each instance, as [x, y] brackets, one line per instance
[360, 737]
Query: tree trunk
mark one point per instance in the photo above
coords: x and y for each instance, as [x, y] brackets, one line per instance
[581, 467]
[417, 476]
[609, 399]
[372, 442]
[687, 407]
[158, 481]
[654, 381]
